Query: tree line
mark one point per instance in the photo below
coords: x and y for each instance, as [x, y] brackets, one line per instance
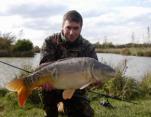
[105, 45]
[10, 46]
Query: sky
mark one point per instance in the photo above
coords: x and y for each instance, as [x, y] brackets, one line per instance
[116, 21]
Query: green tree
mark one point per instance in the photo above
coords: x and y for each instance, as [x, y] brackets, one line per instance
[23, 45]
[6, 40]
[36, 49]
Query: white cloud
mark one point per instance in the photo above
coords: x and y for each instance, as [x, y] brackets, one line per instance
[115, 20]
[9, 23]
[130, 12]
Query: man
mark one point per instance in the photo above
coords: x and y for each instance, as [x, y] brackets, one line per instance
[67, 43]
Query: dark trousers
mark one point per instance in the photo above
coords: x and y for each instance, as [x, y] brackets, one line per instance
[77, 106]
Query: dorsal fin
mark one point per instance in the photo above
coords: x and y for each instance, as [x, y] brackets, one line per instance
[43, 65]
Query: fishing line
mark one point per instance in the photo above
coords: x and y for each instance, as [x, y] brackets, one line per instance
[15, 67]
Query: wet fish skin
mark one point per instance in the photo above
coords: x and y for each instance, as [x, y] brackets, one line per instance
[68, 74]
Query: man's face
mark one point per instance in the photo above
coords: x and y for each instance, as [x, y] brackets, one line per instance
[71, 30]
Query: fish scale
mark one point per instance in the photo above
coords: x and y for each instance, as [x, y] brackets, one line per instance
[68, 74]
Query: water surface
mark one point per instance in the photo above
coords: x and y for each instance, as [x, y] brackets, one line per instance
[136, 66]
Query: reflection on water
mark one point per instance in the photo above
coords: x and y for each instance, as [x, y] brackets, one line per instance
[137, 66]
[7, 73]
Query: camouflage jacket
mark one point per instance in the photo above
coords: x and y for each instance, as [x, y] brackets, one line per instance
[56, 47]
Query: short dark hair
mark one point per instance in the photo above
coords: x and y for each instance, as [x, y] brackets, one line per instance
[74, 16]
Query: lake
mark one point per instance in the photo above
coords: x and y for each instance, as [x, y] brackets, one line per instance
[136, 66]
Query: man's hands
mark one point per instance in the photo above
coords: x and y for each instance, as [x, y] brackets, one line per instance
[47, 87]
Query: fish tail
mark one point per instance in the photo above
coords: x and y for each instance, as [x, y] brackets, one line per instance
[18, 86]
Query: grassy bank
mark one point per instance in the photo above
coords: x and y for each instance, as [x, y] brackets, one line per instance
[123, 109]
[134, 51]
[9, 108]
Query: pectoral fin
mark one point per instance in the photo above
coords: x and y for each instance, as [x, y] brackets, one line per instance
[68, 93]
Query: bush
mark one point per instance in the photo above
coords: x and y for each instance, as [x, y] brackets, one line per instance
[140, 53]
[122, 87]
[36, 49]
[125, 51]
[3, 92]
[147, 53]
[23, 45]
[145, 85]
[6, 41]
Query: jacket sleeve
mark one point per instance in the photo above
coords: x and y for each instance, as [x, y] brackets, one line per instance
[47, 53]
[90, 51]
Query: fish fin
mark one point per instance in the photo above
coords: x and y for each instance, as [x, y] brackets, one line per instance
[43, 65]
[18, 86]
[86, 85]
[68, 93]
[22, 96]
[14, 85]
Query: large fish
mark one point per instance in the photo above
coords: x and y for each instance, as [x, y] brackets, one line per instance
[68, 74]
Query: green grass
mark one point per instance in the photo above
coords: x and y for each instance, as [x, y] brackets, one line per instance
[9, 108]
[124, 109]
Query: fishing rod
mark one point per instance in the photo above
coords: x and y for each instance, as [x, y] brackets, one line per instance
[112, 97]
[15, 67]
